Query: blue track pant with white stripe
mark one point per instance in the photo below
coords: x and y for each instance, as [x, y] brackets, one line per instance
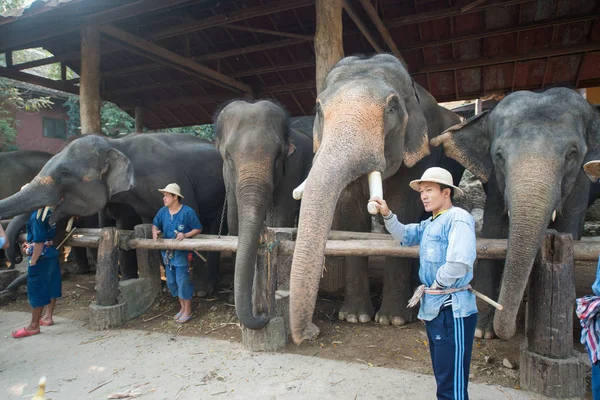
[450, 345]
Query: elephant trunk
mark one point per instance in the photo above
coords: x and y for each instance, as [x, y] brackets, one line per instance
[531, 203]
[345, 155]
[16, 226]
[39, 193]
[253, 197]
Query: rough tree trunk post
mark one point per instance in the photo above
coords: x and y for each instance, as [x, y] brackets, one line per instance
[106, 312]
[329, 49]
[548, 363]
[89, 83]
[139, 119]
[270, 295]
[148, 260]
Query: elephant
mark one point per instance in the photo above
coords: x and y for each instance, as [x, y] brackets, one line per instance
[371, 116]
[263, 161]
[16, 169]
[94, 171]
[529, 152]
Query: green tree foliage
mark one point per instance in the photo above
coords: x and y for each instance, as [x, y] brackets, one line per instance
[11, 100]
[116, 122]
[6, 5]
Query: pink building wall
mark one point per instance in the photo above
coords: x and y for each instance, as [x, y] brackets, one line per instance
[30, 130]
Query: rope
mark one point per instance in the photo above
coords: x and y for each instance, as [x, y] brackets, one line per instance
[421, 290]
[223, 212]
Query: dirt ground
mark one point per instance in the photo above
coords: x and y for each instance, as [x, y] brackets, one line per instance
[404, 348]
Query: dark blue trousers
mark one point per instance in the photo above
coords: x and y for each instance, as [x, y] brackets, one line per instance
[450, 345]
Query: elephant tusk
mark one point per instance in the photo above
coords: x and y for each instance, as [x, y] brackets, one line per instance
[509, 214]
[39, 214]
[45, 214]
[375, 190]
[297, 193]
[70, 224]
[553, 215]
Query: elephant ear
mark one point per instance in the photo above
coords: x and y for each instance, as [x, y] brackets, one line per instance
[117, 172]
[416, 141]
[469, 144]
[591, 164]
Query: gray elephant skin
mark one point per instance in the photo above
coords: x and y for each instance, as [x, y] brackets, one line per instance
[16, 169]
[529, 153]
[264, 161]
[124, 174]
[371, 116]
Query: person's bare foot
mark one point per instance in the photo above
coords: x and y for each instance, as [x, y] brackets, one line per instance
[45, 321]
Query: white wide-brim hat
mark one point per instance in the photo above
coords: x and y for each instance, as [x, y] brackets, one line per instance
[172, 188]
[437, 175]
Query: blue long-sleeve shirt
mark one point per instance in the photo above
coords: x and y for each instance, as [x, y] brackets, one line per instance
[447, 253]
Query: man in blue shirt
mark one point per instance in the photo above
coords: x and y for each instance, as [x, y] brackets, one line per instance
[44, 283]
[447, 253]
[177, 221]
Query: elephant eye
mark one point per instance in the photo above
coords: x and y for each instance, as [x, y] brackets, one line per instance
[572, 155]
[392, 107]
[499, 158]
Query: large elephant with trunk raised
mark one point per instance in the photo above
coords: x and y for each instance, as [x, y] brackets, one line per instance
[94, 171]
[264, 160]
[528, 152]
[371, 116]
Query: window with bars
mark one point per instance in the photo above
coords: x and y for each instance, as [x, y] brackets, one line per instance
[55, 128]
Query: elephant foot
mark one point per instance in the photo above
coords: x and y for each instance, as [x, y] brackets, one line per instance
[310, 333]
[394, 314]
[356, 313]
[204, 289]
[487, 335]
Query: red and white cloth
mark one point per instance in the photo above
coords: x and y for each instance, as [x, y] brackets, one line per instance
[588, 308]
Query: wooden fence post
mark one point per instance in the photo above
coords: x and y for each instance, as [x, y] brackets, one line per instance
[106, 312]
[270, 295]
[548, 363]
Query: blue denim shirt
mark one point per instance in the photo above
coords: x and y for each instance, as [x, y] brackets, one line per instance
[39, 231]
[449, 238]
[184, 221]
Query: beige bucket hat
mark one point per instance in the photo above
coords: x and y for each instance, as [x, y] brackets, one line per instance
[172, 188]
[437, 175]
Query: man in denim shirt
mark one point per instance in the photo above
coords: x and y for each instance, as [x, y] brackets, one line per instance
[177, 221]
[447, 253]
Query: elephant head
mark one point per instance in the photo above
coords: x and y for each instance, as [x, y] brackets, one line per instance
[79, 180]
[535, 145]
[253, 139]
[369, 118]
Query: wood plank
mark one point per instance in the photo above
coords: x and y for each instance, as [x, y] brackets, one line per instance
[27, 35]
[361, 26]
[272, 68]
[139, 119]
[484, 61]
[38, 80]
[172, 57]
[307, 38]
[383, 31]
[228, 18]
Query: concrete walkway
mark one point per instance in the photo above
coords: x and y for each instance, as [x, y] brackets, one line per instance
[76, 360]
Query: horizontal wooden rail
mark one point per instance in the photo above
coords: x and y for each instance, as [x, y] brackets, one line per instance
[339, 243]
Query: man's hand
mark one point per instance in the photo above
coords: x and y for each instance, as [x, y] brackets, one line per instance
[155, 232]
[180, 236]
[382, 206]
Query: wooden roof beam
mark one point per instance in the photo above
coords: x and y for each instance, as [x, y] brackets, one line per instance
[308, 38]
[485, 61]
[207, 57]
[361, 26]
[229, 18]
[38, 80]
[383, 31]
[27, 35]
[172, 58]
